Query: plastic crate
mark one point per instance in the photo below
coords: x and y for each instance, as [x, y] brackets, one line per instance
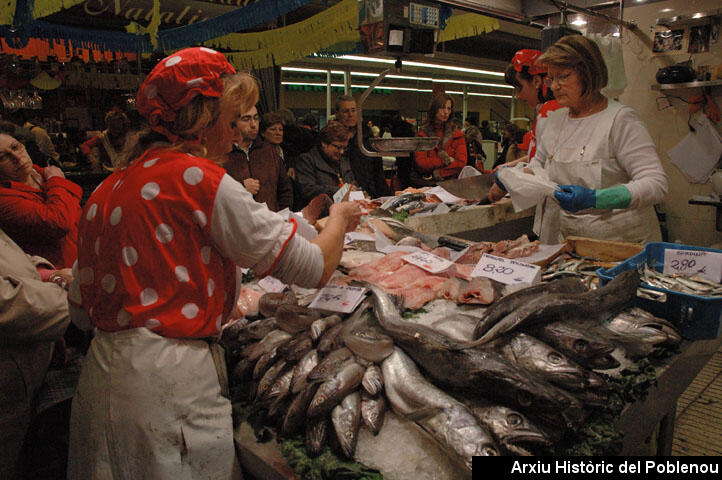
[697, 318]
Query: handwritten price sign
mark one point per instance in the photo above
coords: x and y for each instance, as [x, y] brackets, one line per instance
[428, 261]
[271, 284]
[693, 262]
[506, 270]
[337, 298]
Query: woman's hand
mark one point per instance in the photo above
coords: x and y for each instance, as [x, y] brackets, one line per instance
[350, 212]
[52, 171]
[252, 185]
[62, 277]
[496, 193]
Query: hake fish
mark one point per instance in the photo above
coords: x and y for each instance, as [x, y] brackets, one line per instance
[445, 418]
[296, 414]
[269, 302]
[373, 411]
[373, 380]
[514, 432]
[295, 318]
[346, 420]
[322, 324]
[302, 369]
[332, 391]
[582, 346]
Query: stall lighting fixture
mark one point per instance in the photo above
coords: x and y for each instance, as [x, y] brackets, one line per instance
[406, 89]
[397, 77]
[579, 22]
[422, 64]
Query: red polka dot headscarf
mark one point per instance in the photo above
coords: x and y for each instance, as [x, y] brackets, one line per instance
[176, 80]
[528, 58]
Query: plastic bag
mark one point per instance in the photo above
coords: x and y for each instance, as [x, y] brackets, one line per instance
[526, 189]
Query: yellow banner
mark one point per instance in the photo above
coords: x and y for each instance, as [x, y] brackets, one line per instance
[43, 8]
[467, 25]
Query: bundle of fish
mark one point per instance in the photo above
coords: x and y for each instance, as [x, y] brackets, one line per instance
[692, 285]
[529, 366]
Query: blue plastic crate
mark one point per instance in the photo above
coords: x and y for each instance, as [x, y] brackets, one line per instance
[697, 318]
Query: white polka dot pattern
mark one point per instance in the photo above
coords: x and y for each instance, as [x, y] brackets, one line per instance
[150, 91]
[206, 255]
[164, 233]
[86, 276]
[115, 216]
[194, 81]
[174, 60]
[211, 287]
[108, 283]
[123, 318]
[151, 162]
[152, 323]
[117, 184]
[150, 191]
[97, 246]
[92, 211]
[189, 310]
[200, 218]
[193, 175]
[148, 297]
[130, 256]
[219, 322]
[208, 50]
[181, 274]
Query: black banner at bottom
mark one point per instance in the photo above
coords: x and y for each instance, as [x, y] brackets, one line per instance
[595, 467]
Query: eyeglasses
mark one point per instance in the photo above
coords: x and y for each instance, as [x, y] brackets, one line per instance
[561, 79]
[339, 147]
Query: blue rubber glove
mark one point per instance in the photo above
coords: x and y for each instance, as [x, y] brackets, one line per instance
[498, 182]
[575, 197]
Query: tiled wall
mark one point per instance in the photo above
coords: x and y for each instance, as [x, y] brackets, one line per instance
[692, 224]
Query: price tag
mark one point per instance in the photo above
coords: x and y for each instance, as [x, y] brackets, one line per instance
[356, 195]
[341, 193]
[338, 298]
[693, 262]
[428, 261]
[271, 284]
[506, 270]
[443, 195]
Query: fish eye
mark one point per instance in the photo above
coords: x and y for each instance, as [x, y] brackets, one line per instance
[489, 452]
[581, 345]
[554, 357]
[513, 419]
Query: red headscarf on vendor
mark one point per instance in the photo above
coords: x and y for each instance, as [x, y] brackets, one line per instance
[176, 80]
[527, 59]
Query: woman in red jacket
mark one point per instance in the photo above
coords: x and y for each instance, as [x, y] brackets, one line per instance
[39, 208]
[448, 157]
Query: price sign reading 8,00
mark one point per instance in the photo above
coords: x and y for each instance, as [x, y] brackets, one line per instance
[500, 269]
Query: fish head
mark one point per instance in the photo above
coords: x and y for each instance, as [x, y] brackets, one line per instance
[603, 362]
[541, 357]
[513, 430]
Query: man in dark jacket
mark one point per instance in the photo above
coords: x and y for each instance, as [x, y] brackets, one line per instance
[258, 166]
[368, 171]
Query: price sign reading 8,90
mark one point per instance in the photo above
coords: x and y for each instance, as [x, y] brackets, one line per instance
[693, 262]
[506, 270]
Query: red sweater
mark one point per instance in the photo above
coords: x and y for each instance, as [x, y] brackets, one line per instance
[43, 222]
[429, 161]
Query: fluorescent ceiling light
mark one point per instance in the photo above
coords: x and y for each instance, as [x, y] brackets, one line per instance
[698, 15]
[422, 64]
[579, 21]
[406, 89]
[398, 77]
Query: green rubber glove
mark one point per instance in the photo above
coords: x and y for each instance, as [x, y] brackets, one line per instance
[612, 197]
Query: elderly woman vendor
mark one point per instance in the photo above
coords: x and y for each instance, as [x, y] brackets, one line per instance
[598, 151]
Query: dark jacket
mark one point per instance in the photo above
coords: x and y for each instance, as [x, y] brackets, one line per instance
[266, 166]
[297, 140]
[315, 174]
[368, 171]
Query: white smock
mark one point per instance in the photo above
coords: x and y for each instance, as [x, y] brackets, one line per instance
[584, 157]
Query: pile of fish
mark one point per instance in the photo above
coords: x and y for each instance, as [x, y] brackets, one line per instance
[692, 285]
[513, 380]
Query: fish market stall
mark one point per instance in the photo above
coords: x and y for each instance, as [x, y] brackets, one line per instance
[450, 364]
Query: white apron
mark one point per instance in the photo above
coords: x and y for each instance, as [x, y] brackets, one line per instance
[150, 407]
[592, 166]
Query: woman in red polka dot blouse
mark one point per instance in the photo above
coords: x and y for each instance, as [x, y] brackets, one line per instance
[159, 242]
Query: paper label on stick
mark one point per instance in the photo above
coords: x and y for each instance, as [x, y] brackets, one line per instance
[693, 262]
[341, 193]
[428, 261]
[506, 270]
[338, 298]
[271, 284]
[356, 195]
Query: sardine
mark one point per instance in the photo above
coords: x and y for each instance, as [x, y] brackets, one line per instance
[322, 324]
[295, 318]
[512, 429]
[269, 302]
[302, 369]
[509, 303]
[316, 434]
[373, 380]
[346, 420]
[296, 414]
[373, 411]
[446, 419]
[332, 391]
[329, 366]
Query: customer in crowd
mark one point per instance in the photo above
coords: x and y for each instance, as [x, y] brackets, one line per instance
[449, 156]
[400, 127]
[598, 151]
[368, 171]
[488, 133]
[33, 316]
[39, 207]
[511, 150]
[296, 139]
[325, 168]
[172, 226]
[475, 152]
[310, 122]
[103, 150]
[43, 140]
[258, 164]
